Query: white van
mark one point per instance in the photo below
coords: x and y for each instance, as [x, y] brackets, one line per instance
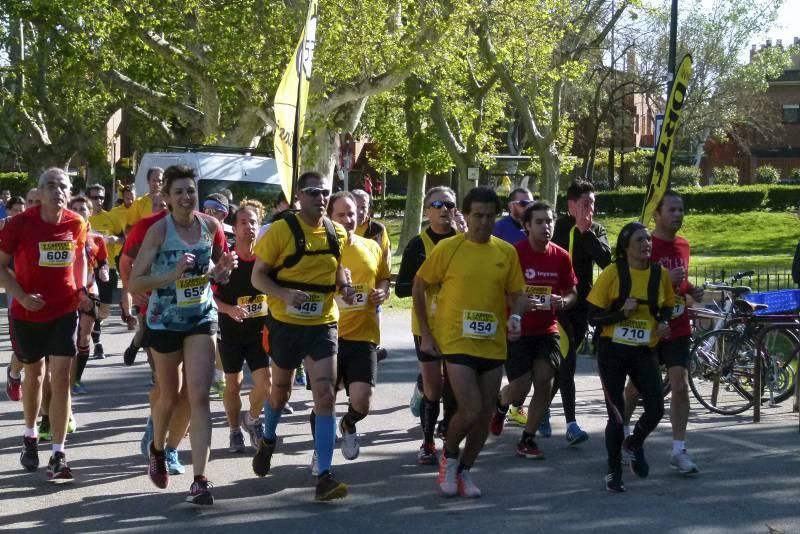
[246, 175]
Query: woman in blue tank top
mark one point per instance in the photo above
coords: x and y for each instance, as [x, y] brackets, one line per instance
[181, 256]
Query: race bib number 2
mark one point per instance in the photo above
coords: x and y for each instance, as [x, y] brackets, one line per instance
[359, 299]
[479, 325]
[310, 308]
[56, 253]
[191, 291]
[632, 332]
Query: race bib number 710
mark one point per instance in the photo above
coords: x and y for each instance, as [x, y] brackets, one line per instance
[632, 332]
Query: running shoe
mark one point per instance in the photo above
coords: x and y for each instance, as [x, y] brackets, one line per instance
[263, 457]
[300, 377]
[427, 454]
[13, 386]
[636, 460]
[448, 476]
[157, 468]
[575, 435]
[614, 482]
[545, 430]
[44, 430]
[329, 489]
[58, 472]
[518, 415]
[683, 463]
[130, 320]
[466, 487]
[199, 493]
[129, 356]
[350, 446]
[527, 448]
[415, 404]
[99, 353]
[236, 442]
[78, 389]
[255, 430]
[147, 437]
[72, 424]
[314, 464]
[496, 425]
[441, 430]
[30, 454]
[174, 464]
[287, 409]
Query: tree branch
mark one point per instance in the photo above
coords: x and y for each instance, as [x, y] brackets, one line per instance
[186, 113]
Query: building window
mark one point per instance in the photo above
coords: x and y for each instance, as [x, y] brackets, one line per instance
[791, 113]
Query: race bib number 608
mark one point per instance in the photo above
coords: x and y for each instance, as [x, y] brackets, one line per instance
[56, 253]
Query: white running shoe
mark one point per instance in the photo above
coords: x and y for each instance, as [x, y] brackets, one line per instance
[350, 446]
[683, 464]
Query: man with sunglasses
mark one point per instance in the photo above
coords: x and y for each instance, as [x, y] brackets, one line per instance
[112, 230]
[300, 284]
[587, 244]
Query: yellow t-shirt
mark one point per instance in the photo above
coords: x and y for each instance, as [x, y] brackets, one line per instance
[368, 265]
[105, 223]
[639, 328]
[276, 245]
[385, 244]
[120, 213]
[474, 279]
[141, 208]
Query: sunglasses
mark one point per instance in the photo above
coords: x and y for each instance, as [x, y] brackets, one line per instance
[524, 203]
[97, 198]
[316, 191]
[439, 204]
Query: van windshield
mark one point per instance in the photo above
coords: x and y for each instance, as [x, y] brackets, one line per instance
[267, 194]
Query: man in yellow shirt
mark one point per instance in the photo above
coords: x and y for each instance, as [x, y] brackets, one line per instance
[120, 213]
[476, 274]
[298, 267]
[143, 206]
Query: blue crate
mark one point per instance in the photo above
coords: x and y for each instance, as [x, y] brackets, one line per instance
[783, 301]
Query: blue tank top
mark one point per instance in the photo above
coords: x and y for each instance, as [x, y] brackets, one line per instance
[187, 302]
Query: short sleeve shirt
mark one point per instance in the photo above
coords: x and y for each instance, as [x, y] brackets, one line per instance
[546, 273]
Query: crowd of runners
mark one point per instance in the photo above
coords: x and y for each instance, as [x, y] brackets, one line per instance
[300, 299]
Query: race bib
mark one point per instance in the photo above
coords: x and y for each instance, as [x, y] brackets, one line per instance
[191, 291]
[632, 332]
[479, 325]
[539, 294]
[56, 253]
[310, 308]
[254, 306]
[360, 300]
[680, 306]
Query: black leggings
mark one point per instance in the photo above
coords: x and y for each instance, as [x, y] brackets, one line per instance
[575, 324]
[615, 362]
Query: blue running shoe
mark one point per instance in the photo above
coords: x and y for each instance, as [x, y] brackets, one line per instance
[545, 430]
[173, 462]
[575, 435]
[146, 439]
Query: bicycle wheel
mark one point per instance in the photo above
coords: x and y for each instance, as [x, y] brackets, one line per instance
[721, 372]
[780, 348]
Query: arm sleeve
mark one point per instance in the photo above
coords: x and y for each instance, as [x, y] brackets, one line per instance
[600, 317]
[410, 264]
[595, 242]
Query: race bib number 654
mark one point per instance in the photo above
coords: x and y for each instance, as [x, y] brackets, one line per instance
[191, 290]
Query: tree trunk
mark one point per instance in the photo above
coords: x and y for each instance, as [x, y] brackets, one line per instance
[320, 153]
[412, 217]
[551, 173]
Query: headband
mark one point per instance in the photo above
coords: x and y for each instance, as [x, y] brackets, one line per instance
[214, 205]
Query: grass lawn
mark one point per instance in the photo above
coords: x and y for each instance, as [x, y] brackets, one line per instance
[758, 240]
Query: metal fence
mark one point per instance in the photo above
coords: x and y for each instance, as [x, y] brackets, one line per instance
[764, 279]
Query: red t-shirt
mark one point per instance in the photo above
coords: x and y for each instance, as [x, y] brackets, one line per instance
[545, 273]
[44, 256]
[96, 250]
[674, 254]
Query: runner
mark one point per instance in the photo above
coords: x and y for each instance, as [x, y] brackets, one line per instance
[550, 287]
[174, 262]
[359, 324]
[587, 244]
[469, 329]
[149, 202]
[242, 311]
[672, 251]
[32, 198]
[298, 268]
[14, 206]
[48, 286]
[120, 214]
[630, 303]
[440, 205]
[511, 230]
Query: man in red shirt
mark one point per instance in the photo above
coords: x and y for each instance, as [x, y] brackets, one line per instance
[672, 251]
[550, 286]
[46, 244]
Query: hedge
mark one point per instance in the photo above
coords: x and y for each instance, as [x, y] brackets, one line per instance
[629, 200]
[17, 182]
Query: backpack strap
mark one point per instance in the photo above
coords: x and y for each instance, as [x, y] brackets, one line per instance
[374, 229]
[300, 251]
[653, 284]
[299, 242]
[624, 275]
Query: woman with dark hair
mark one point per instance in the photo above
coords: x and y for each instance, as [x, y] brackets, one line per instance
[630, 304]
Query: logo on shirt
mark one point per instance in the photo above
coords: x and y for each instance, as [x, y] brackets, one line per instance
[530, 273]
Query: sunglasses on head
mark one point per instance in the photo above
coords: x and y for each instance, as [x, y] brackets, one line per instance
[524, 202]
[316, 191]
[439, 204]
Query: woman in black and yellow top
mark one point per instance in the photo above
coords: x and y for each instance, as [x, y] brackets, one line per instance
[630, 326]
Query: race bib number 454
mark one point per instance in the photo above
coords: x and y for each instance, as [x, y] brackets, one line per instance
[310, 308]
[479, 324]
[632, 332]
[56, 253]
[191, 290]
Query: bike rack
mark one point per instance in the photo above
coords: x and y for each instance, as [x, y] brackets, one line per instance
[792, 325]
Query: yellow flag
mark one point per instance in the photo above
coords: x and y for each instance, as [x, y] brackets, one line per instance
[290, 104]
[659, 180]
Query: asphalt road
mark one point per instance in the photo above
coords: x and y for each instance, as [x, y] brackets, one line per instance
[748, 481]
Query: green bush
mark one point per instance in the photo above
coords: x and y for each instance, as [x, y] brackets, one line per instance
[783, 197]
[685, 176]
[639, 173]
[394, 205]
[17, 182]
[767, 174]
[727, 175]
[795, 174]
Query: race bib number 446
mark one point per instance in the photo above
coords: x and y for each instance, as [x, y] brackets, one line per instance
[191, 291]
[479, 324]
[632, 332]
[56, 253]
[310, 308]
